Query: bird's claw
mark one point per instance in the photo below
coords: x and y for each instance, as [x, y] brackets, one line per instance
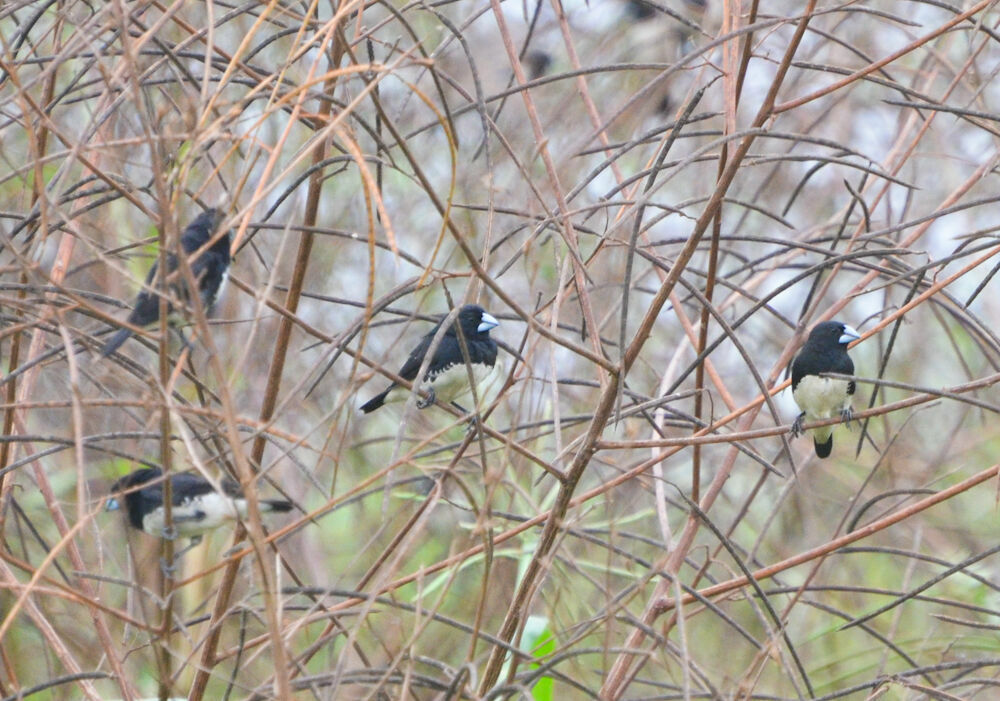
[473, 424]
[169, 533]
[426, 401]
[797, 425]
[169, 568]
[172, 567]
[847, 416]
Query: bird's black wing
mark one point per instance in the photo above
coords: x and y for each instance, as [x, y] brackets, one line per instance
[231, 488]
[484, 352]
[210, 266]
[194, 237]
[845, 366]
[185, 485]
[209, 269]
[799, 369]
[409, 371]
[809, 361]
[449, 353]
[813, 361]
[147, 304]
[146, 311]
[412, 365]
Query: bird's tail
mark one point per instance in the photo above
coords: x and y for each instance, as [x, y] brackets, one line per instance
[276, 505]
[375, 402]
[115, 342]
[823, 441]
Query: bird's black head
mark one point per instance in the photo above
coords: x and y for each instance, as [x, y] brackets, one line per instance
[127, 488]
[832, 333]
[475, 321]
[203, 228]
[136, 479]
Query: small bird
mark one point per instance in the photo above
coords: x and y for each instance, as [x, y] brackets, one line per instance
[210, 270]
[447, 375]
[825, 351]
[197, 506]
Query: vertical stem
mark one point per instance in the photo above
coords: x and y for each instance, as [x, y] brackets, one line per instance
[6, 448]
[166, 580]
[270, 400]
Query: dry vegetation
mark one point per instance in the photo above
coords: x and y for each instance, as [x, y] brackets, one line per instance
[656, 200]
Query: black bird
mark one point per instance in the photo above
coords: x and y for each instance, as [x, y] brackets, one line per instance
[209, 269]
[197, 506]
[447, 374]
[825, 351]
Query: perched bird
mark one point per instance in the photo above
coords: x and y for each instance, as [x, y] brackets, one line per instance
[209, 269]
[825, 351]
[447, 375]
[197, 506]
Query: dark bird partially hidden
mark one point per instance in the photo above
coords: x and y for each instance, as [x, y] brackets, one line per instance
[209, 269]
[825, 351]
[447, 376]
[197, 506]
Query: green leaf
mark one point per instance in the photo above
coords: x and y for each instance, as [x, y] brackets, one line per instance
[539, 639]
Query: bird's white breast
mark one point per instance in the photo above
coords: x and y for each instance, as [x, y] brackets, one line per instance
[196, 515]
[222, 286]
[452, 383]
[821, 397]
[213, 300]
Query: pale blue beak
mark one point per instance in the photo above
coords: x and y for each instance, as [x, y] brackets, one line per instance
[112, 505]
[849, 335]
[488, 322]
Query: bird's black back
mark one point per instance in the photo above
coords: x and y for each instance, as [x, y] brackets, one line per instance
[208, 269]
[822, 353]
[144, 499]
[482, 349]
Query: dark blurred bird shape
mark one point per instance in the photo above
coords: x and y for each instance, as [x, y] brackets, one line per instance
[537, 62]
[209, 269]
[640, 10]
[825, 351]
[447, 376]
